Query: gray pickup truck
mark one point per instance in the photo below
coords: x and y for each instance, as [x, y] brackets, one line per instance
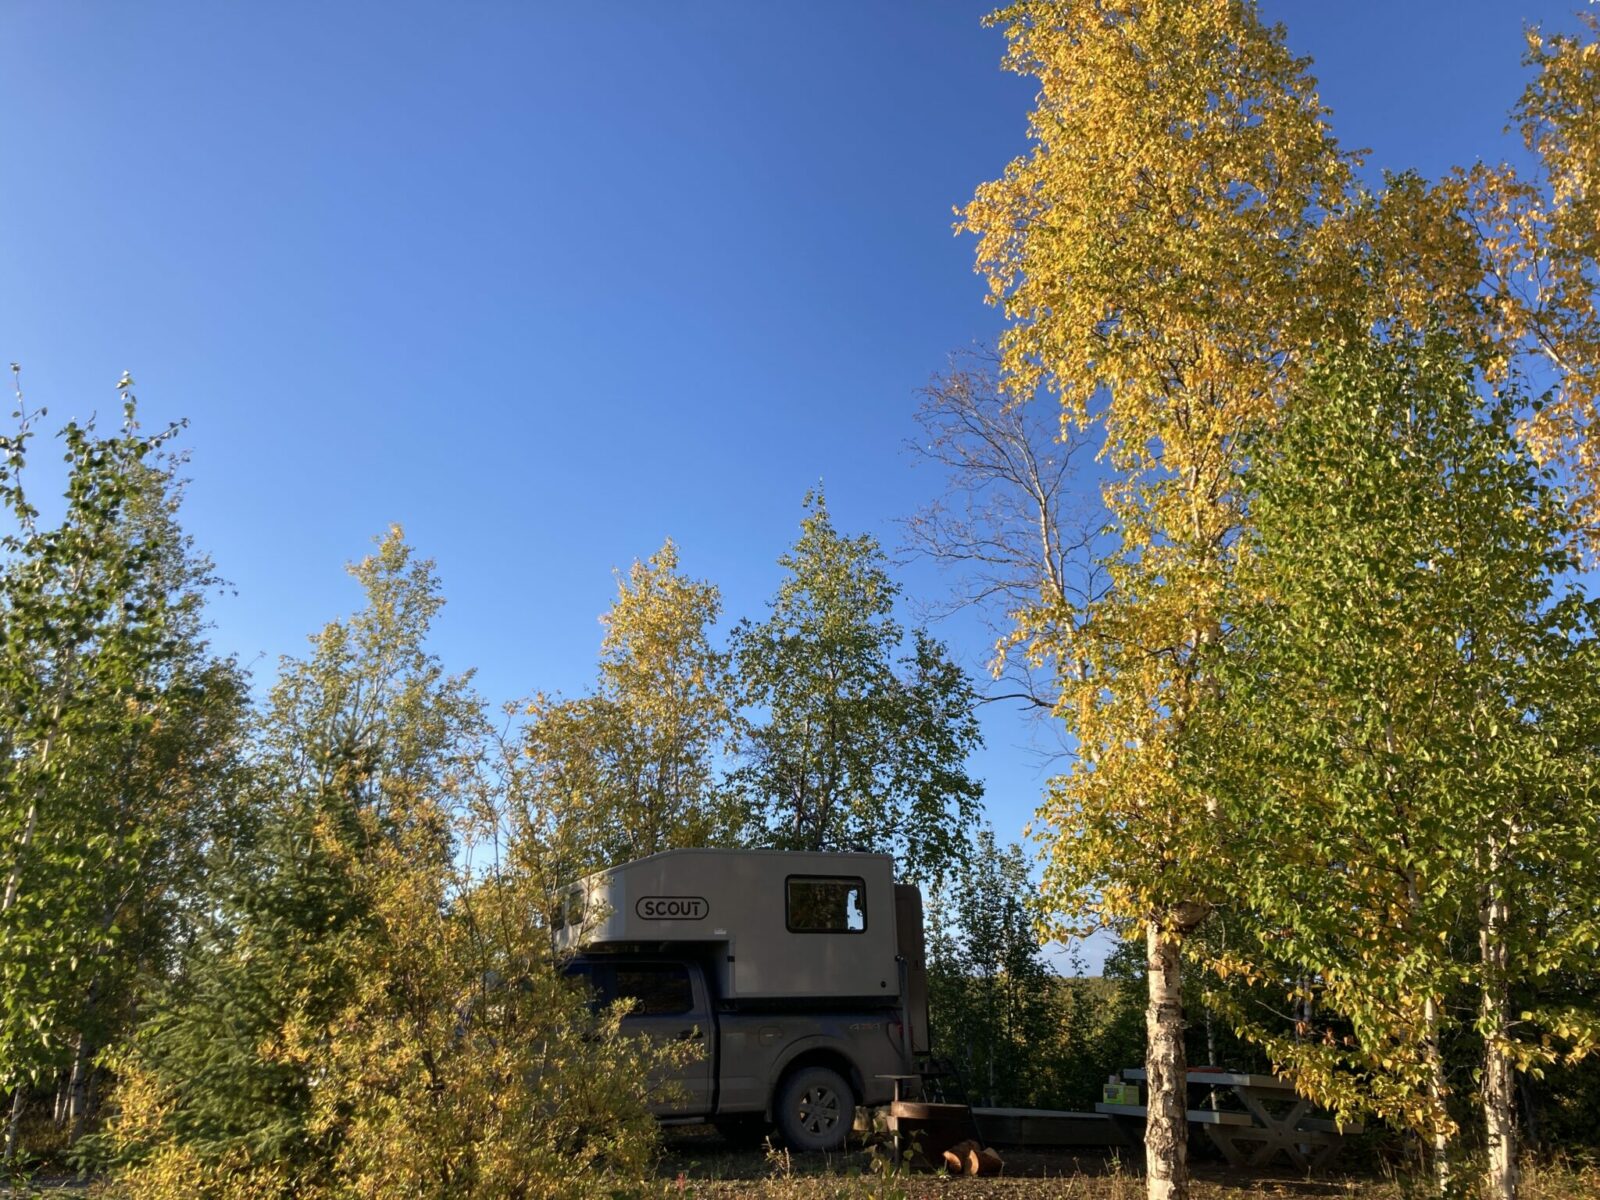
[801, 974]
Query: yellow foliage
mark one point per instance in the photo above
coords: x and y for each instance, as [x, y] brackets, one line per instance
[463, 1065]
[1152, 252]
[399, 1023]
[629, 768]
[1540, 235]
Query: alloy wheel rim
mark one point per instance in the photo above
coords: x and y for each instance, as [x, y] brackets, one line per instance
[819, 1110]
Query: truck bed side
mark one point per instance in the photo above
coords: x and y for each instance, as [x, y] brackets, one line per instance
[757, 1048]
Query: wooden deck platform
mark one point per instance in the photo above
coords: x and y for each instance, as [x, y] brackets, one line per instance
[1048, 1127]
[1199, 1116]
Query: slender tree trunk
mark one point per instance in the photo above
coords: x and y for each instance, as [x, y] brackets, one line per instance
[1439, 1140]
[1166, 1130]
[14, 880]
[19, 1100]
[72, 1094]
[1499, 1113]
[1211, 1058]
[1499, 1099]
[78, 1089]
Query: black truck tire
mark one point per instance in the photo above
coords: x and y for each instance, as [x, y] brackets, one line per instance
[815, 1109]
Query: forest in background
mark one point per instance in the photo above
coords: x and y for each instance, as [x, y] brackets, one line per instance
[1324, 648]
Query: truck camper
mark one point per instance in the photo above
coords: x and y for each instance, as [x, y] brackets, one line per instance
[801, 973]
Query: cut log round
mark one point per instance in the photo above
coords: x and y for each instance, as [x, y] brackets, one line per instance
[985, 1162]
[962, 1149]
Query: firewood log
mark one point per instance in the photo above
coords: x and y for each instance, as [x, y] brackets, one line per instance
[984, 1162]
[961, 1149]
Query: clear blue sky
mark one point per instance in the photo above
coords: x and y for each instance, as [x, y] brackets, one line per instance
[548, 282]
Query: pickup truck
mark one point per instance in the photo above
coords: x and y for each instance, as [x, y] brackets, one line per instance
[803, 1070]
[800, 974]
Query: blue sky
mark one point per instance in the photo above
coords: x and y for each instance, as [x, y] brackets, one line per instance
[547, 283]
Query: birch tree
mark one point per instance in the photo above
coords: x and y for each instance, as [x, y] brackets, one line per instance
[632, 767]
[1540, 235]
[856, 742]
[1150, 253]
[169, 787]
[1012, 523]
[1405, 738]
[100, 668]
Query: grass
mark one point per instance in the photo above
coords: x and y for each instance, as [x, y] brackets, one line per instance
[703, 1168]
[698, 1165]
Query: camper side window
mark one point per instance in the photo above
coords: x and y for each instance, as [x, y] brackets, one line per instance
[820, 905]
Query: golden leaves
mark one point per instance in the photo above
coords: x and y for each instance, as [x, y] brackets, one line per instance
[1540, 237]
[627, 771]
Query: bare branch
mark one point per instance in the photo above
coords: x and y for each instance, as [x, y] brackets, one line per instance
[1015, 523]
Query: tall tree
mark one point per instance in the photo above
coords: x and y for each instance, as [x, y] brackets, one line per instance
[172, 787]
[1012, 524]
[1150, 252]
[370, 1006]
[633, 765]
[849, 752]
[115, 727]
[1405, 738]
[361, 747]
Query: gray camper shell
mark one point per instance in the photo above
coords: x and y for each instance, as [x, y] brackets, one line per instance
[771, 925]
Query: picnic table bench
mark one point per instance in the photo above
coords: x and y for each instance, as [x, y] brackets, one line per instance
[1271, 1119]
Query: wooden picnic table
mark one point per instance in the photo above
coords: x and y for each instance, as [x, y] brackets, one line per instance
[1274, 1119]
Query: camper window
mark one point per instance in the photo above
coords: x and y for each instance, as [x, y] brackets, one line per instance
[822, 905]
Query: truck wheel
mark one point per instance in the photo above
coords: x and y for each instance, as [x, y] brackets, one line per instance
[815, 1109]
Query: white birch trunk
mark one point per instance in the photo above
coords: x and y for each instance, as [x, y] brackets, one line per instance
[1166, 1131]
[1499, 1107]
[18, 1101]
[1439, 1140]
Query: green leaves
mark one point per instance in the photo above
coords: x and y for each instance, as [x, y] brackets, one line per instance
[364, 748]
[368, 1003]
[1409, 647]
[993, 1001]
[115, 723]
[854, 749]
